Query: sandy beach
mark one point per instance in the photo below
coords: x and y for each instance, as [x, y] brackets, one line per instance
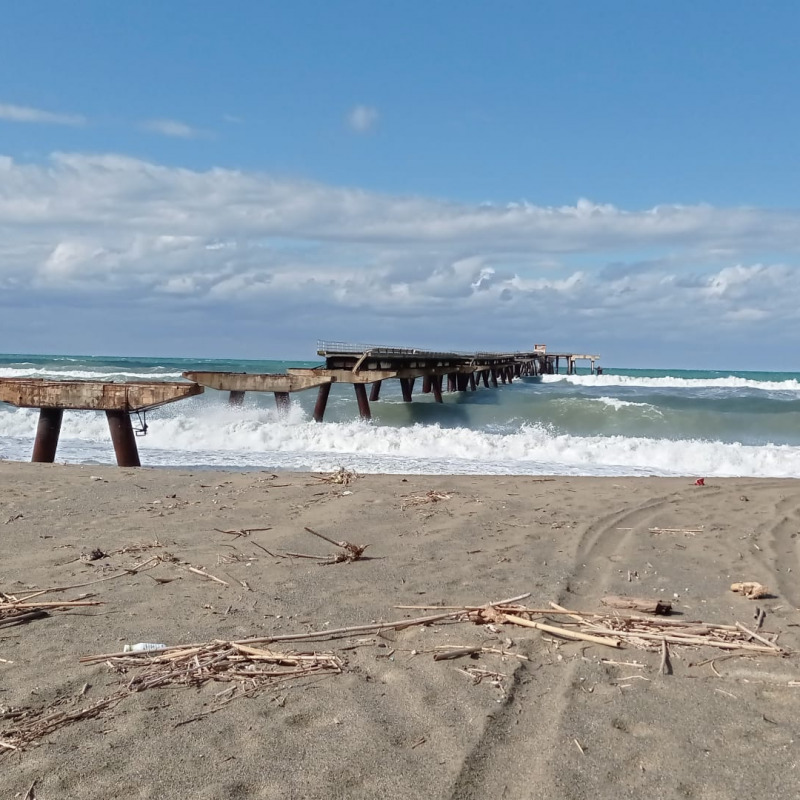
[542, 716]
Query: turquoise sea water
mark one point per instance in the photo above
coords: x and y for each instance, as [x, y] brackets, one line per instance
[623, 422]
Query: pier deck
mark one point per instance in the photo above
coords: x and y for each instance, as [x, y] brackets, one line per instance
[118, 400]
[362, 364]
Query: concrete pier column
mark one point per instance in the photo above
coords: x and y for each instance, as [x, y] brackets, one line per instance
[322, 402]
[119, 424]
[363, 403]
[236, 398]
[436, 384]
[510, 373]
[426, 384]
[452, 384]
[407, 386]
[375, 391]
[47, 433]
[283, 402]
[472, 384]
[485, 376]
[462, 381]
[494, 377]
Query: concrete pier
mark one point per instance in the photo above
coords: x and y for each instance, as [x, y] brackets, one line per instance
[118, 400]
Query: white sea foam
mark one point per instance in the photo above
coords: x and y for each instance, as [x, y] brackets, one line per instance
[82, 374]
[215, 436]
[729, 382]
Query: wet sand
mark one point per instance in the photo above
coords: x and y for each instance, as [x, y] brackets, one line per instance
[395, 723]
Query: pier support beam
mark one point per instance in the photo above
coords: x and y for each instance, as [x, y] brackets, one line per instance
[472, 384]
[494, 377]
[407, 386]
[363, 403]
[485, 376]
[436, 384]
[283, 402]
[426, 384]
[119, 424]
[452, 384]
[236, 399]
[322, 402]
[375, 391]
[47, 433]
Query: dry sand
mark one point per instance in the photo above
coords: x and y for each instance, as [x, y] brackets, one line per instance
[396, 723]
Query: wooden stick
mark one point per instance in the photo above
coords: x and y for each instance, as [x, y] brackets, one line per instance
[131, 571]
[760, 638]
[322, 536]
[563, 632]
[694, 641]
[65, 604]
[665, 668]
[456, 652]
[207, 575]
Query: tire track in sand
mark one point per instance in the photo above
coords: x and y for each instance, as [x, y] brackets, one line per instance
[522, 738]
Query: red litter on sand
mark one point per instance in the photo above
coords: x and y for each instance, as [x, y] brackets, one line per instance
[700, 482]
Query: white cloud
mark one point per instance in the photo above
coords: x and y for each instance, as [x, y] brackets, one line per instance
[362, 119]
[339, 258]
[12, 113]
[173, 128]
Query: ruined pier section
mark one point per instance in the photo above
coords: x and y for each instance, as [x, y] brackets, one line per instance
[360, 365]
[118, 400]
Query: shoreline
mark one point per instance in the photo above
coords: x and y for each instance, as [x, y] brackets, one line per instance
[549, 713]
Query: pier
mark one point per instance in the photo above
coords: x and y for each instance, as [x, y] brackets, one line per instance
[358, 365]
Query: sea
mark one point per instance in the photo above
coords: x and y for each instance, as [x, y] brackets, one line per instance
[624, 422]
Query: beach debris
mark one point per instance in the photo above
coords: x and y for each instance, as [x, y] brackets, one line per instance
[30, 724]
[431, 496]
[349, 552]
[752, 590]
[341, 476]
[143, 647]
[169, 558]
[700, 482]
[686, 531]
[15, 611]
[93, 555]
[242, 531]
[642, 605]
[13, 518]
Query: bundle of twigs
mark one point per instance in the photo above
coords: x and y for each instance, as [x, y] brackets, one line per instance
[615, 629]
[249, 669]
[196, 665]
[340, 476]
[30, 724]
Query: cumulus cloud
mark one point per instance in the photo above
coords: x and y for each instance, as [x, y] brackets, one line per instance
[336, 259]
[173, 128]
[11, 113]
[362, 119]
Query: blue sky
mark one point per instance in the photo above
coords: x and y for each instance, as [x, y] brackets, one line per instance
[242, 179]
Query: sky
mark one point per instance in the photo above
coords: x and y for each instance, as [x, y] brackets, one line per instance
[240, 180]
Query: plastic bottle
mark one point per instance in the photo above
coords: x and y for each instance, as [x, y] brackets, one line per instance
[142, 647]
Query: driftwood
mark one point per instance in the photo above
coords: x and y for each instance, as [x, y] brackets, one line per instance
[350, 552]
[642, 605]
